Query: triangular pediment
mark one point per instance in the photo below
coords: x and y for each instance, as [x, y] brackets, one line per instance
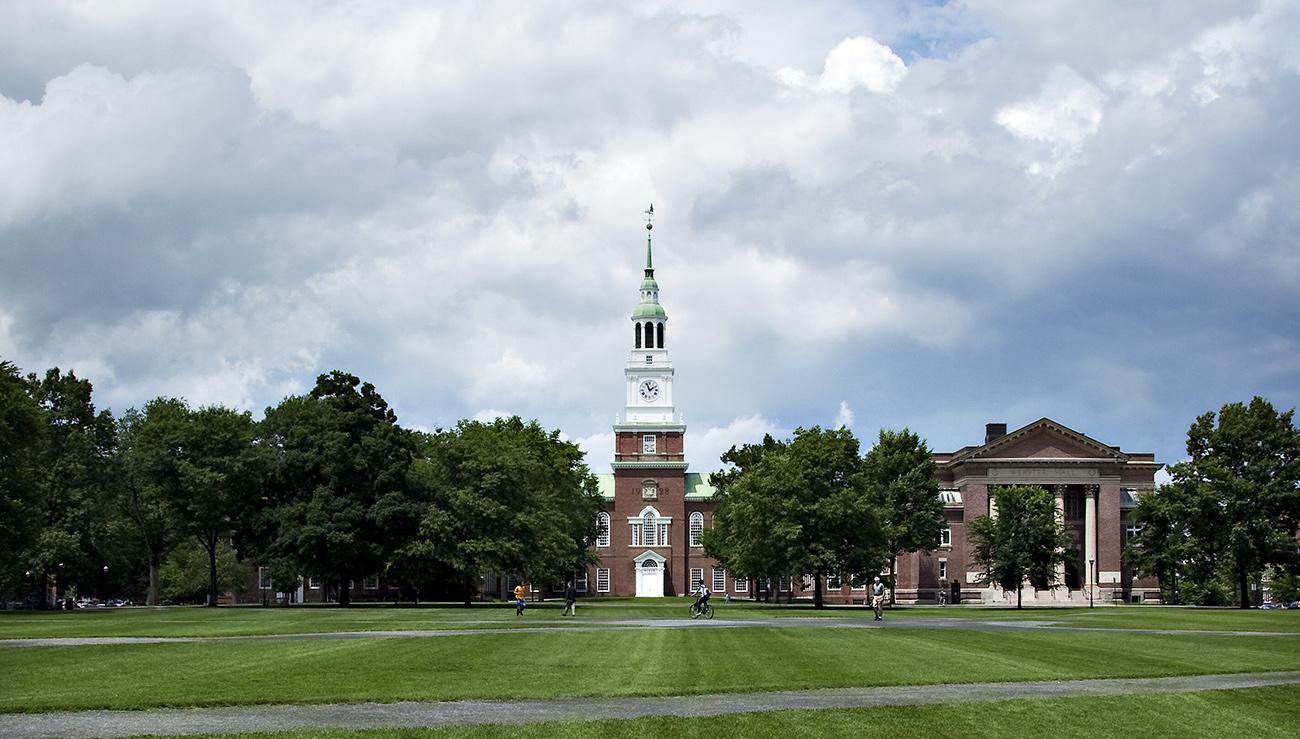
[1043, 439]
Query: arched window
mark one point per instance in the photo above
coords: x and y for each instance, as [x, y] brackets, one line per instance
[648, 529]
[638, 336]
[602, 520]
[697, 527]
[649, 335]
[661, 336]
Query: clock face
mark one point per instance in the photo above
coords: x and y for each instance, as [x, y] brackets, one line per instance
[649, 389]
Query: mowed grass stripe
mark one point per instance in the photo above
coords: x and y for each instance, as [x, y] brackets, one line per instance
[677, 661]
[253, 621]
[1261, 713]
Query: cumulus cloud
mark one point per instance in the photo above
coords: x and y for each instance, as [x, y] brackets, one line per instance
[853, 63]
[959, 212]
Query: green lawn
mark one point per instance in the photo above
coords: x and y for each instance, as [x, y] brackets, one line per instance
[252, 621]
[671, 661]
[1259, 712]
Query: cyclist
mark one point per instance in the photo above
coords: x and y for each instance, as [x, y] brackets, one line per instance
[701, 597]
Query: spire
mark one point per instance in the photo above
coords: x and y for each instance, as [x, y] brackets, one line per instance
[649, 306]
[649, 226]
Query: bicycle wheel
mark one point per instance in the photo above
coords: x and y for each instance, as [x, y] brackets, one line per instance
[708, 612]
[691, 610]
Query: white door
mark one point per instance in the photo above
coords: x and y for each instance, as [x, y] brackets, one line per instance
[649, 580]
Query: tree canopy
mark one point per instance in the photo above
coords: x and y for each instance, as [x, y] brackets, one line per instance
[900, 477]
[1024, 543]
[1231, 511]
[795, 507]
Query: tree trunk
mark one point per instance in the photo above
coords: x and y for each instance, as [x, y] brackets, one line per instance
[893, 578]
[1020, 592]
[211, 545]
[155, 583]
[345, 593]
[817, 591]
[1243, 581]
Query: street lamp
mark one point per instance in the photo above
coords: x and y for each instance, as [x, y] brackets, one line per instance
[1090, 582]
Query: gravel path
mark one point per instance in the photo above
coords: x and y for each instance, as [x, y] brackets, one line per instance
[412, 714]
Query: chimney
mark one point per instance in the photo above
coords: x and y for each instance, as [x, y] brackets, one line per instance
[993, 431]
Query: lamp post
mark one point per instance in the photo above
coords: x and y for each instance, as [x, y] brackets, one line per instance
[1090, 582]
[104, 586]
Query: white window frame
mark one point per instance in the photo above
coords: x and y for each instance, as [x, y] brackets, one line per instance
[943, 569]
[649, 528]
[696, 528]
[834, 582]
[945, 536]
[371, 582]
[649, 443]
[783, 584]
[602, 520]
[742, 584]
[602, 579]
[857, 582]
[719, 584]
[697, 577]
[264, 578]
[580, 581]
[313, 583]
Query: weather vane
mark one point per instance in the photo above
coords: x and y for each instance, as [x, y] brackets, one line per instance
[649, 216]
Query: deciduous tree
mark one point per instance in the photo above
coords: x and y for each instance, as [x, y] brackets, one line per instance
[1024, 543]
[900, 475]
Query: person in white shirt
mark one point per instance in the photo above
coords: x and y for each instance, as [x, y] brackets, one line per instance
[701, 596]
[878, 598]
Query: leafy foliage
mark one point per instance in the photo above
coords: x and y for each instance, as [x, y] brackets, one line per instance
[1230, 511]
[900, 477]
[801, 506]
[1024, 543]
[21, 438]
[508, 497]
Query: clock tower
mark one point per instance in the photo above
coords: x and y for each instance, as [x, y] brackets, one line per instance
[649, 458]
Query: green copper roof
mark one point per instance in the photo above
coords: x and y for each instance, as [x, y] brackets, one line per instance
[649, 284]
[649, 310]
[697, 486]
[605, 484]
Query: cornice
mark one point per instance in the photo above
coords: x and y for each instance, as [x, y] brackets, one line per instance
[649, 465]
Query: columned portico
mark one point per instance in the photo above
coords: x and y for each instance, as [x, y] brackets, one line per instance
[1093, 486]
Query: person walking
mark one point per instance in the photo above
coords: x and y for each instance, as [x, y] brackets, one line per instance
[878, 599]
[570, 599]
[520, 603]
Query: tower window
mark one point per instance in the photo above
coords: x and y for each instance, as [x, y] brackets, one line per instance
[648, 444]
[696, 528]
[638, 336]
[602, 538]
[648, 529]
[661, 336]
[649, 359]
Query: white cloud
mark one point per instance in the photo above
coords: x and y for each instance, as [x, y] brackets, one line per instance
[445, 200]
[843, 419]
[854, 62]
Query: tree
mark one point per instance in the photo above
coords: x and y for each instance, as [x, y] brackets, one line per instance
[900, 474]
[1244, 470]
[21, 440]
[216, 475]
[144, 473]
[800, 506]
[334, 455]
[1025, 542]
[75, 465]
[186, 575]
[511, 498]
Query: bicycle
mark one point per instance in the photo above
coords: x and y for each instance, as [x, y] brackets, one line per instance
[706, 611]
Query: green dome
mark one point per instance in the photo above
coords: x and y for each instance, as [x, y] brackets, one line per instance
[649, 310]
[649, 284]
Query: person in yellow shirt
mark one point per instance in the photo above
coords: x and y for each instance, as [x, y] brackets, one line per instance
[520, 603]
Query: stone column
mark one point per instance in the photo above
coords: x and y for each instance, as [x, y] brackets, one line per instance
[1059, 492]
[1090, 535]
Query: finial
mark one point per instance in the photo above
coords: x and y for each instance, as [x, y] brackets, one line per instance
[649, 262]
[649, 216]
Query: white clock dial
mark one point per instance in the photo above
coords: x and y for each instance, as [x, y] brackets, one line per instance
[649, 390]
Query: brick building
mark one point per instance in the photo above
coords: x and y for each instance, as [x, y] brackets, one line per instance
[655, 509]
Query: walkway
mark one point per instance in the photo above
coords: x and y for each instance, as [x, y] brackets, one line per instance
[407, 715]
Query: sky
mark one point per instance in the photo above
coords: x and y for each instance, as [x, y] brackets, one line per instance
[871, 214]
